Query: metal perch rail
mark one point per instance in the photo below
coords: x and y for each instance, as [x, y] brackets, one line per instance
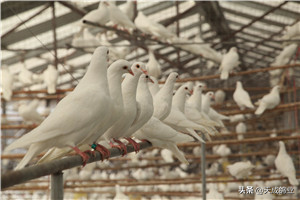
[56, 166]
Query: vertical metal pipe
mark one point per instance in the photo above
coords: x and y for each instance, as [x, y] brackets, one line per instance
[57, 188]
[54, 35]
[203, 167]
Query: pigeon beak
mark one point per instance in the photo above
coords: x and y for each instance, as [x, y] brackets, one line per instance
[105, 3]
[151, 80]
[130, 72]
[191, 92]
[213, 97]
[145, 71]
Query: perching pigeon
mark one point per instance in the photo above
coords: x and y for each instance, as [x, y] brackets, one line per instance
[162, 100]
[269, 101]
[241, 129]
[119, 194]
[25, 76]
[50, 78]
[284, 164]
[240, 170]
[292, 32]
[129, 89]
[28, 112]
[99, 16]
[153, 87]
[114, 74]
[64, 127]
[229, 61]
[284, 57]
[241, 97]
[153, 66]
[118, 17]
[220, 96]
[144, 108]
[128, 9]
[163, 136]
[7, 83]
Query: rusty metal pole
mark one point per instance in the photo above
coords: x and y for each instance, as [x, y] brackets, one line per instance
[54, 35]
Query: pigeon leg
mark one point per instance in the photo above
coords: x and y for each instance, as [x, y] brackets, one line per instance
[104, 151]
[121, 146]
[135, 145]
[83, 155]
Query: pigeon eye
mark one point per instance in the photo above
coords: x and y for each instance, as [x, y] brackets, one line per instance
[186, 88]
[177, 76]
[200, 86]
[125, 67]
[147, 76]
[137, 66]
[107, 52]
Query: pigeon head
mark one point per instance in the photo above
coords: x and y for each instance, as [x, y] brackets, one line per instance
[100, 55]
[141, 66]
[239, 84]
[120, 66]
[188, 87]
[233, 49]
[173, 76]
[137, 68]
[145, 78]
[211, 95]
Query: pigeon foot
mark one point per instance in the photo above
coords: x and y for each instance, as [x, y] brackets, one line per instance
[83, 155]
[121, 146]
[135, 145]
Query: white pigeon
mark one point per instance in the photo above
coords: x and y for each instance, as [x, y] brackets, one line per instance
[230, 60]
[167, 155]
[7, 83]
[240, 129]
[29, 113]
[114, 74]
[129, 89]
[220, 96]
[25, 76]
[153, 67]
[144, 109]
[213, 115]
[213, 193]
[128, 9]
[284, 164]
[162, 101]
[284, 57]
[193, 108]
[240, 170]
[119, 194]
[292, 32]
[118, 17]
[50, 78]
[148, 26]
[269, 160]
[99, 15]
[163, 136]
[269, 101]
[213, 170]
[177, 120]
[64, 126]
[153, 86]
[241, 97]
[222, 150]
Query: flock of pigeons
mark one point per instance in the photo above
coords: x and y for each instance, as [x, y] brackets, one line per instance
[123, 102]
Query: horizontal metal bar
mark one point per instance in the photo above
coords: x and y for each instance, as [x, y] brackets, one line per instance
[20, 176]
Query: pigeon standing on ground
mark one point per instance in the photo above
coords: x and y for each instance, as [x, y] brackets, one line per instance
[64, 126]
[269, 101]
[162, 101]
[241, 97]
[153, 67]
[50, 78]
[29, 114]
[7, 83]
[229, 61]
[284, 164]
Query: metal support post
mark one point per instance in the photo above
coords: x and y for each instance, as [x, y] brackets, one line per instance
[57, 188]
[203, 167]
